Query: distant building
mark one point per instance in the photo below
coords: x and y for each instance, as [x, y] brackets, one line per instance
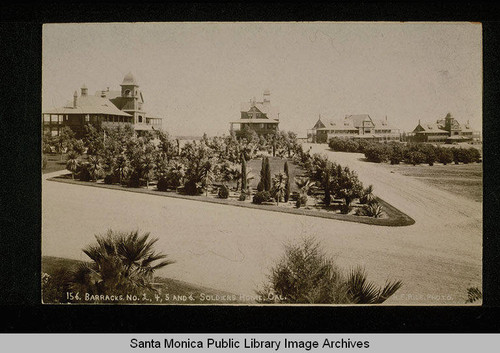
[446, 130]
[105, 107]
[260, 117]
[353, 127]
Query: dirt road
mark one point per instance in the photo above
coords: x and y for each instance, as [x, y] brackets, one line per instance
[232, 248]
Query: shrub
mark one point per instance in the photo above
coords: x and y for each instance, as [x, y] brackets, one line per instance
[377, 153]
[162, 184]
[109, 179]
[415, 157]
[261, 196]
[84, 174]
[242, 197]
[345, 209]
[223, 192]
[260, 186]
[305, 274]
[444, 156]
[301, 201]
[475, 155]
[351, 146]
[191, 188]
[134, 180]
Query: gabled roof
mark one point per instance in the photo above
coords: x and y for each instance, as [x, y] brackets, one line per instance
[108, 94]
[89, 105]
[430, 128]
[359, 119]
[255, 121]
[271, 112]
[383, 124]
[319, 124]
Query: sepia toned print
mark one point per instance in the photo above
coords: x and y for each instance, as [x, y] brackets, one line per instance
[316, 163]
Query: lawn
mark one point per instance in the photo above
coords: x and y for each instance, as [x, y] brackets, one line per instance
[54, 163]
[179, 292]
[462, 179]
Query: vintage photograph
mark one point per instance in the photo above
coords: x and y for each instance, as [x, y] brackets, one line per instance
[262, 163]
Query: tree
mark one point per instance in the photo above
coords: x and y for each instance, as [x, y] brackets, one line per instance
[444, 156]
[287, 185]
[64, 140]
[265, 174]
[94, 167]
[94, 140]
[147, 165]
[122, 263]
[243, 175]
[121, 167]
[279, 186]
[72, 163]
[326, 185]
[267, 179]
[209, 173]
[346, 185]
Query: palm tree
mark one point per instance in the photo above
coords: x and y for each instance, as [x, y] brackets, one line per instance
[72, 163]
[95, 167]
[304, 185]
[208, 173]
[360, 291]
[147, 165]
[121, 263]
[121, 165]
[279, 186]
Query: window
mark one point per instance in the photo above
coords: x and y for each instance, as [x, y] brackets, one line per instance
[140, 118]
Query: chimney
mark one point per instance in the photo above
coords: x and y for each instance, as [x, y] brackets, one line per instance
[75, 99]
[84, 90]
[267, 97]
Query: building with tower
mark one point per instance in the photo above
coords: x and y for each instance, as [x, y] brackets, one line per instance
[261, 117]
[125, 106]
[445, 130]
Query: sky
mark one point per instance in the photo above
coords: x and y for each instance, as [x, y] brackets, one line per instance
[195, 75]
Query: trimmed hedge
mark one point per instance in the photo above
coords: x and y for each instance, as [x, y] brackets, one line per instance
[413, 153]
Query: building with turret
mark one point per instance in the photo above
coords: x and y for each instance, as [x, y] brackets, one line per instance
[445, 130]
[261, 117]
[125, 106]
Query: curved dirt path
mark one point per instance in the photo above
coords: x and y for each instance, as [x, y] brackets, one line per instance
[231, 248]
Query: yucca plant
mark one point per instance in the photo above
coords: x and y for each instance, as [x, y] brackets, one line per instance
[367, 196]
[372, 210]
[360, 291]
[473, 294]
